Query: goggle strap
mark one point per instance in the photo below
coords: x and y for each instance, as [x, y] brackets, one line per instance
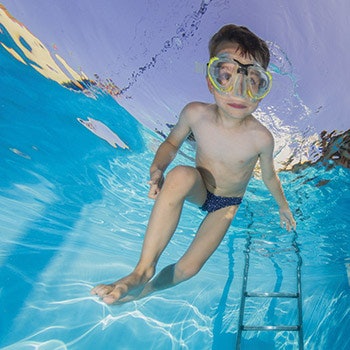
[242, 70]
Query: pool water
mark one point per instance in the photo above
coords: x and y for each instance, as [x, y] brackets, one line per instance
[73, 212]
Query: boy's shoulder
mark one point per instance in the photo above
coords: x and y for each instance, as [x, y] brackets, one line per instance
[261, 132]
[197, 107]
[258, 126]
[195, 110]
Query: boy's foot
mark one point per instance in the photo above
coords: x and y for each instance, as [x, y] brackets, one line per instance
[123, 290]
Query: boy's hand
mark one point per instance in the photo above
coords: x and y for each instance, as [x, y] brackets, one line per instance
[287, 219]
[155, 183]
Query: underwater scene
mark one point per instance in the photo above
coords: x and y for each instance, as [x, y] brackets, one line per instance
[87, 94]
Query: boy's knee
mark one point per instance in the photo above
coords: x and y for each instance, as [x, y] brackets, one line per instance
[184, 272]
[183, 175]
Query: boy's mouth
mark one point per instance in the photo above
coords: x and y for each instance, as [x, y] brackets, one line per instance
[237, 105]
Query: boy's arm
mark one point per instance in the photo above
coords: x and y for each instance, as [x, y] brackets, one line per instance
[273, 184]
[167, 152]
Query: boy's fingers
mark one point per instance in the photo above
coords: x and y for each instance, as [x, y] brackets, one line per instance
[153, 191]
[291, 224]
[288, 224]
[154, 181]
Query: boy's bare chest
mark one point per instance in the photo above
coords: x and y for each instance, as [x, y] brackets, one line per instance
[226, 147]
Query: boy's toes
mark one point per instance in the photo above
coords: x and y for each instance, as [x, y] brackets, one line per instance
[94, 290]
[101, 290]
[111, 298]
[108, 293]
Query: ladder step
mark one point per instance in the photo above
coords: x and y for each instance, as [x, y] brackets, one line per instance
[271, 295]
[271, 328]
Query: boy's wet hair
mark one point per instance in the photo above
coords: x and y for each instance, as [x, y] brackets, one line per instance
[248, 42]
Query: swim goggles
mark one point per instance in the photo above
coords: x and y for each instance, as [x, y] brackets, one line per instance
[228, 75]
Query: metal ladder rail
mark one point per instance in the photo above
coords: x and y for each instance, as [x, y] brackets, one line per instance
[293, 328]
[299, 291]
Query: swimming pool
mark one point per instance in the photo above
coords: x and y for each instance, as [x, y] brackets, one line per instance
[73, 211]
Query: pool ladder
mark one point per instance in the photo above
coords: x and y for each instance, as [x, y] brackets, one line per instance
[245, 294]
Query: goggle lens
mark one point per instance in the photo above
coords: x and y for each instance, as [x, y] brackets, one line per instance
[227, 75]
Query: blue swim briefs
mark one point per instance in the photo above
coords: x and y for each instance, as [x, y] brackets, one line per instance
[213, 202]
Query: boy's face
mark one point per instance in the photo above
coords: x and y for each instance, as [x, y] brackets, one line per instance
[235, 103]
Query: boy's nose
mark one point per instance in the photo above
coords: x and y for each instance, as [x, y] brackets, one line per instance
[240, 85]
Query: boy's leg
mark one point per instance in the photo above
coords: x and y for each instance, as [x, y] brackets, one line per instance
[208, 237]
[181, 183]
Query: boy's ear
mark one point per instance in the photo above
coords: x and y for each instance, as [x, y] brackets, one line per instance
[210, 85]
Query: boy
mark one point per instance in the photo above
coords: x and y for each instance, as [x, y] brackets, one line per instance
[229, 143]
